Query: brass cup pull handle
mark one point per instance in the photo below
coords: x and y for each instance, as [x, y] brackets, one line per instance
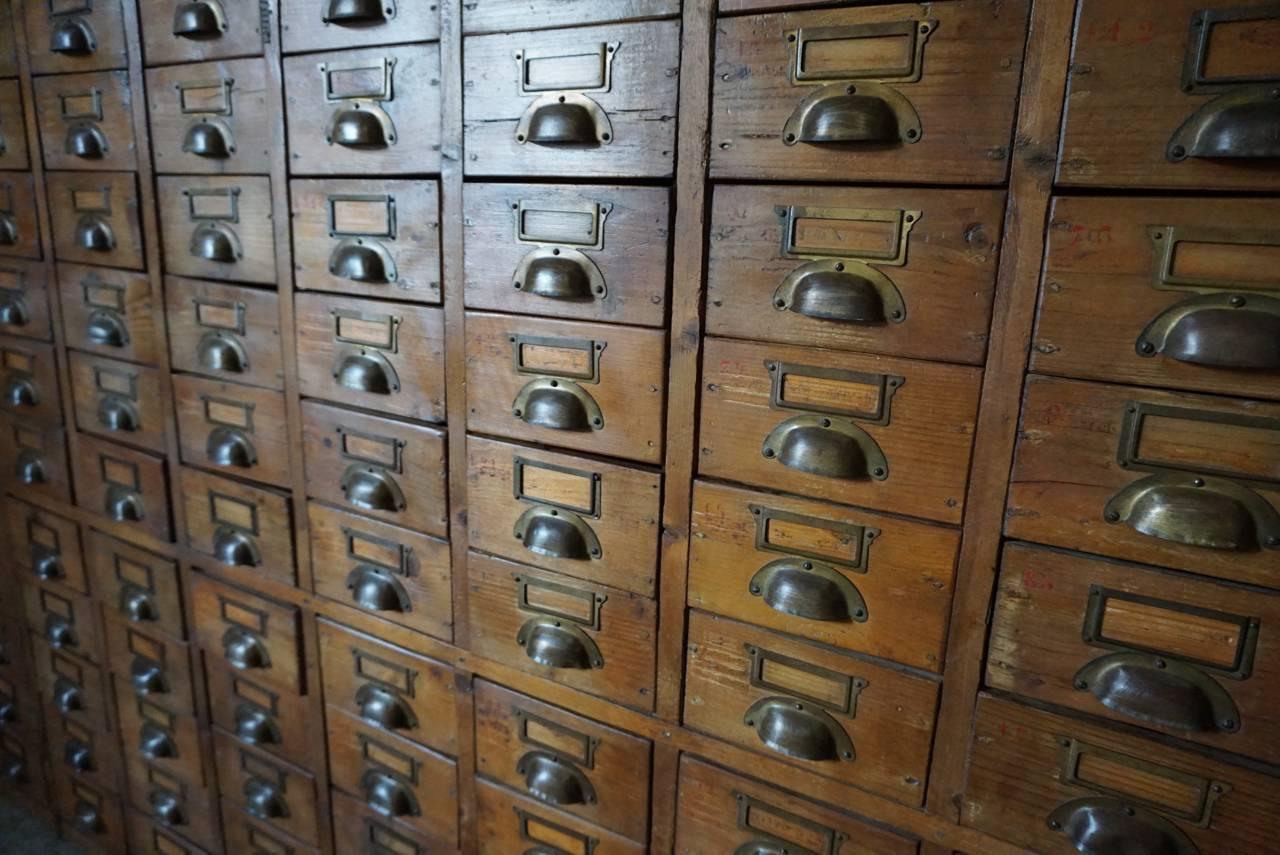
[209, 138]
[73, 37]
[155, 743]
[1160, 691]
[1240, 331]
[222, 352]
[360, 125]
[230, 447]
[554, 780]
[8, 710]
[30, 469]
[557, 533]
[255, 726]
[20, 390]
[850, 292]
[358, 13]
[362, 260]
[808, 589]
[244, 650]
[199, 20]
[559, 274]
[851, 113]
[386, 795]
[235, 548]
[13, 310]
[372, 488]
[376, 590]
[1200, 511]
[93, 234]
[59, 632]
[87, 818]
[764, 847]
[86, 141]
[68, 697]
[384, 708]
[557, 405]
[148, 677]
[46, 563]
[368, 371]
[556, 644]
[216, 242]
[166, 807]
[118, 414]
[8, 229]
[13, 767]
[1103, 825]
[568, 119]
[78, 756]
[828, 446]
[123, 505]
[1238, 124]
[798, 729]
[263, 800]
[137, 605]
[107, 329]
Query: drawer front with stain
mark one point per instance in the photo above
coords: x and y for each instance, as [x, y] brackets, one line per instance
[19, 227]
[158, 737]
[211, 117]
[204, 29]
[81, 753]
[245, 632]
[138, 586]
[119, 400]
[238, 429]
[33, 460]
[280, 795]
[75, 688]
[507, 822]
[246, 529]
[184, 806]
[47, 545]
[358, 827]
[29, 375]
[153, 837]
[261, 715]
[75, 36]
[27, 781]
[218, 228]
[91, 817]
[333, 24]
[504, 15]
[64, 619]
[25, 292]
[94, 218]
[86, 121]
[13, 129]
[149, 665]
[245, 833]
[108, 312]
[124, 485]
[225, 331]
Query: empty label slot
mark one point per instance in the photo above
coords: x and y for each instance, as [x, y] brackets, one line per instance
[890, 54]
[244, 616]
[584, 70]
[1193, 440]
[1150, 626]
[362, 216]
[1248, 50]
[148, 648]
[233, 512]
[782, 825]
[213, 205]
[15, 361]
[366, 82]
[552, 226]
[1219, 262]
[370, 448]
[388, 758]
[853, 238]
[374, 550]
[387, 673]
[578, 606]
[827, 393]
[212, 97]
[811, 537]
[232, 413]
[807, 681]
[225, 316]
[133, 573]
[563, 361]
[1178, 792]
[376, 332]
[116, 383]
[559, 837]
[120, 472]
[53, 604]
[90, 200]
[557, 487]
[254, 694]
[559, 739]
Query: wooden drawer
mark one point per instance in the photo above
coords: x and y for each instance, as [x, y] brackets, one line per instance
[587, 102]
[234, 29]
[899, 271]
[25, 778]
[391, 470]
[218, 227]
[82, 753]
[848, 578]
[246, 529]
[889, 434]
[48, 545]
[258, 714]
[397, 574]
[76, 689]
[119, 400]
[376, 355]
[416, 787]
[1184, 481]
[159, 738]
[841, 717]
[593, 771]
[581, 517]
[151, 836]
[721, 812]
[94, 218]
[282, 796]
[19, 226]
[387, 686]
[13, 130]
[30, 380]
[585, 635]
[124, 485]
[64, 619]
[91, 818]
[108, 312]
[138, 586]
[504, 15]
[311, 26]
[1044, 781]
[1181, 293]
[212, 116]
[33, 460]
[359, 828]
[243, 833]
[24, 299]
[86, 121]
[225, 331]
[240, 630]
[239, 429]
[180, 805]
[586, 252]
[507, 822]
[360, 112]
[156, 667]
[1177, 654]
[591, 387]
[75, 37]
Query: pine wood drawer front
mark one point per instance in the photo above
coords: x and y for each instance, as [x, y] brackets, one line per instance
[66, 37]
[86, 121]
[225, 331]
[282, 796]
[840, 717]
[398, 574]
[1184, 656]
[218, 227]
[94, 217]
[367, 238]
[505, 15]
[380, 356]
[391, 470]
[308, 25]
[585, 635]
[261, 715]
[182, 805]
[359, 828]
[890, 93]
[243, 833]
[898, 271]
[82, 753]
[124, 485]
[895, 434]
[590, 770]
[508, 822]
[33, 460]
[844, 577]
[389, 687]
[91, 817]
[136, 585]
[151, 837]
[19, 227]
[587, 102]
[119, 400]
[21, 754]
[64, 619]
[247, 530]
[1184, 481]
[185, 34]
[364, 112]
[1163, 292]
[30, 378]
[584, 518]
[591, 387]
[149, 666]
[24, 299]
[584, 252]
[1029, 769]
[245, 632]
[74, 687]
[237, 429]
[212, 116]
[416, 787]
[13, 130]
[47, 545]
[108, 312]
[158, 737]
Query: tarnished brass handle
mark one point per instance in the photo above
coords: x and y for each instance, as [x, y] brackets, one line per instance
[556, 644]
[123, 505]
[13, 310]
[93, 234]
[104, 327]
[230, 447]
[166, 807]
[385, 794]
[20, 389]
[8, 710]
[363, 370]
[155, 743]
[362, 260]
[13, 767]
[557, 533]
[1217, 330]
[136, 604]
[148, 677]
[1239, 124]
[1102, 825]
[851, 292]
[1159, 691]
[244, 650]
[559, 274]
[78, 755]
[87, 818]
[218, 351]
[263, 800]
[46, 563]
[235, 548]
[118, 414]
[8, 229]
[558, 405]
[30, 469]
[255, 727]
[215, 242]
[564, 119]
[376, 590]
[86, 140]
[73, 36]
[209, 138]
[68, 697]
[59, 632]
[372, 488]
[384, 708]
[358, 13]
[200, 20]
[862, 112]
[798, 729]
[1194, 510]
[554, 780]
[808, 589]
[827, 446]
[360, 125]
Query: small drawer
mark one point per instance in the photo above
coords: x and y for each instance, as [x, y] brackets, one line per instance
[94, 217]
[1181, 293]
[33, 460]
[20, 703]
[593, 771]
[281, 795]
[1190, 482]
[218, 227]
[367, 238]
[1050, 784]
[82, 753]
[397, 574]
[260, 715]
[415, 787]
[124, 485]
[847, 578]
[149, 666]
[225, 331]
[505, 15]
[377, 355]
[86, 121]
[119, 400]
[584, 635]
[159, 738]
[241, 430]
[76, 689]
[206, 29]
[592, 387]
[138, 586]
[246, 529]
[890, 93]
[391, 470]
[108, 312]
[243, 631]
[585, 252]
[64, 619]
[92, 818]
[889, 434]
[70, 37]
[362, 112]
[211, 117]
[899, 271]
[48, 545]
[330, 24]
[177, 803]
[848, 718]
[580, 517]
[243, 833]
[19, 225]
[13, 130]
[360, 828]
[389, 687]
[25, 778]
[150, 835]
[30, 379]
[507, 822]
[24, 299]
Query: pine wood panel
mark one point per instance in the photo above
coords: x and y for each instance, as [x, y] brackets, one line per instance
[210, 412]
[98, 103]
[239, 208]
[243, 35]
[133, 582]
[231, 96]
[118, 303]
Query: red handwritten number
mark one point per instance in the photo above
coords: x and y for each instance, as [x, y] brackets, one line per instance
[1034, 581]
[1123, 31]
[1091, 234]
[1146, 32]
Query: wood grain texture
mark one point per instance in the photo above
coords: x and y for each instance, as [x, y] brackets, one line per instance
[507, 822]
[17, 209]
[85, 293]
[12, 129]
[182, 201]
[231, 95]
[505, 15]
[100, 386]
[225, 614]
[108, 835]
[355, 824]
[140, 717]
[303, 28]
[96, 709]
[239, 766]
[246, 316]
[234, 695]
[103, 20]
[27, 286]
[109, 199]
[242, 37]
[105, 471]
[205, 407]
[120, 568]
[100, 101]
[29, 374]
[261, 518]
